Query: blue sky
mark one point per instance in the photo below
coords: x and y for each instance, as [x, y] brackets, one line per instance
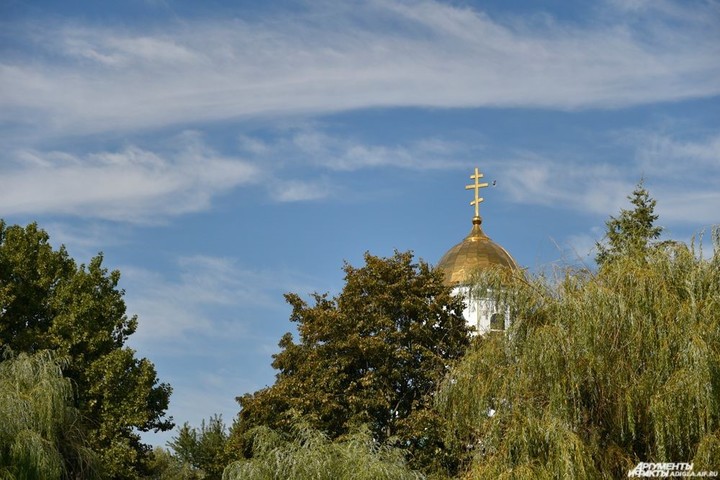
[223, 153]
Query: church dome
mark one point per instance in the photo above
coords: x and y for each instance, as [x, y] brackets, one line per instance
[475, 252]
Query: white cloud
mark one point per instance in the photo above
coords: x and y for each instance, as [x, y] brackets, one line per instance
[206, 300]
[334, 153]
[596, 187]
[140, 185]
[133, 184]
[661, 154]
[680, 174]
[299, 191]
[699, 207]
[91, 79]
[702, 14]
[119, 51]
[683, 173]
[422, 155]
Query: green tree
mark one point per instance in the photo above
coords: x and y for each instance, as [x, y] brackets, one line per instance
[165, 466]
[307, 454]
[39, 434]
[598, 372]
[47, 302]
[372, 355]
[203, 448]
[633, 231]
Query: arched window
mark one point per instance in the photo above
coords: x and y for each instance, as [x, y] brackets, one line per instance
[497, 321]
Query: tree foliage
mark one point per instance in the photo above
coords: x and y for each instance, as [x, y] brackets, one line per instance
[47, 302]
[598, 372]
[372, 355]
[631, 233]
[307, 454]
[203, 448]
[40, 437]
[163, 465]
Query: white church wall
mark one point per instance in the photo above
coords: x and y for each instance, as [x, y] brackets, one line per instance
[482, 314]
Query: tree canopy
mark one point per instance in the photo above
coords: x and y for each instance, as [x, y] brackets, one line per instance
[599, 371]
[308, 454]
[633, 231]
[372, 355]
[47, 302]
[40, 438]
[203, 448]
[163, 465]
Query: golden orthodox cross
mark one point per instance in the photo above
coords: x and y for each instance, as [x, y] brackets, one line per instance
[477, 186]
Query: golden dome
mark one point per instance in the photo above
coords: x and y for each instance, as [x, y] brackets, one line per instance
[475, 252]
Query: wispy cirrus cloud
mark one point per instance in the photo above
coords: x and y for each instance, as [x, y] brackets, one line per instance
[132, 184]
[87, 79]
[301, 190]
[210, 297]
[125, 51]
[662, 154]
[680, 173]
[687, 172]
[313, 147]
[535, 179]
[145, 185]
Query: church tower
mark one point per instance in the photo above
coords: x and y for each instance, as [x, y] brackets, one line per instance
[476, 253]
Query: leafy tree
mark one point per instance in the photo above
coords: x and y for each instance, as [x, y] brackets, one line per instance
[39, 434]
[372, 355]
[165, 466]
[598, 372]
[308, 454]
[47, 302]
[633, 231]
[203, 448]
